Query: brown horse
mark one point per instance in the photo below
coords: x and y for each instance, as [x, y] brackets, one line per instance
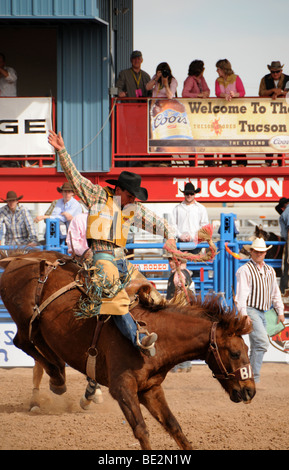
[200, 330]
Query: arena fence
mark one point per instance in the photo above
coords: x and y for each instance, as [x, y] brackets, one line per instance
[218, 276]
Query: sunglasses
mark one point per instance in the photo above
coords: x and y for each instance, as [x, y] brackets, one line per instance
[276, 71]
[189, 194]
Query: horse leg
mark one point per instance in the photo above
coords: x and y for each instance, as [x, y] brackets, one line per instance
[125, 392]
[92, 393]
[52, 364]
[154, 400]
[37, 377]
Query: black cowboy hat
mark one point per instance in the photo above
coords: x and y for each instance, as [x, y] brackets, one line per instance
[281, 204]
[132, 183]
[65, 187]
[190, 188]
[12, 196]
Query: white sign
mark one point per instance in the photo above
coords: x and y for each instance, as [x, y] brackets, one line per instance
[151, 266]
[10, 356]
[24, 125]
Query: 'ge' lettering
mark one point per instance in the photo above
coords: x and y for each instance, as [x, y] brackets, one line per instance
[31, 126]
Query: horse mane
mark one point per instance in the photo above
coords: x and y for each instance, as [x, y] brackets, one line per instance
[210, 308]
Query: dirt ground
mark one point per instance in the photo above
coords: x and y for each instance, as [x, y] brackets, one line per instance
[207, 416]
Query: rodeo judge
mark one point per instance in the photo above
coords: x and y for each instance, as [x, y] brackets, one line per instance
[111, 214]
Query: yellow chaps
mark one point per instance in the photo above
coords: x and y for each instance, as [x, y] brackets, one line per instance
[118, 305]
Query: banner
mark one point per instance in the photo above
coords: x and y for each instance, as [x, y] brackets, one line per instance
[208, 126]
[24, 125]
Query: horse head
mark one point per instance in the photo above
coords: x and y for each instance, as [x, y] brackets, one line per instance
[228, 358]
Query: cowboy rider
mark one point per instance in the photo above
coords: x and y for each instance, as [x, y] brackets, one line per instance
[111, 214]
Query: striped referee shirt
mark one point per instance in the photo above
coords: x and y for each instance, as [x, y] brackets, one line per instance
[257, 287]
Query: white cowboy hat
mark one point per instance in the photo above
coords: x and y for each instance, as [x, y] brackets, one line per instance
[260, 245]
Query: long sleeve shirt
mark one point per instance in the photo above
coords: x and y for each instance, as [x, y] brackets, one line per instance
[76, 236]
[189, 218]
[72, 207]
[245, 286]
[129, 81]
[284, 223]
[233, 83]
[8, 84]
[192, 87]
[92, 194]
[19, 226]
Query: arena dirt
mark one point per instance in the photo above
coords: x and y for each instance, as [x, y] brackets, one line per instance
[207, 416]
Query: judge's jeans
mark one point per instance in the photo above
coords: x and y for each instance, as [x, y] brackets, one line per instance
[259, 342]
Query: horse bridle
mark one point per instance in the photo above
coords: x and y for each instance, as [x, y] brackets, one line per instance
[243, 373]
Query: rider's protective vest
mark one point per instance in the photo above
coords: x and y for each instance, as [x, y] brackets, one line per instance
[109, 222]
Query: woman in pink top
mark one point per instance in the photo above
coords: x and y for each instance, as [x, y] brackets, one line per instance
[195, 86]
[228, 86]
[163, 84]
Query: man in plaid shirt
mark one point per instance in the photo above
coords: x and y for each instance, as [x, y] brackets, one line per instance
[111, 213]
[18, 223]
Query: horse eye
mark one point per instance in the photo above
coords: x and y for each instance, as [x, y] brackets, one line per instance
[235, 355]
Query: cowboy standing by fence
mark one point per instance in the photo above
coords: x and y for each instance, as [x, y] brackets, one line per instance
[18, 222]
[111, 213]
[257, 291]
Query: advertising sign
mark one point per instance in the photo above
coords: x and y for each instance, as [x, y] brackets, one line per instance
[24, 125]
[207, 126]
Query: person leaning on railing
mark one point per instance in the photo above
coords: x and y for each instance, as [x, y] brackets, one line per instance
[17, 221]
[274, 85]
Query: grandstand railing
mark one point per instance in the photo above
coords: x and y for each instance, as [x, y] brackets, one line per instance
[129, 131]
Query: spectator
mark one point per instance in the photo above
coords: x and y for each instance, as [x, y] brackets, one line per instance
[189, 216]
[195, 86]
[8, 79]
[18, 222]
[132, 82]
[65, 209]
[257, 291]
[283, 209]
[76, 236]
[178, 280]
[274, 85]
[229, 86]
[163, 84]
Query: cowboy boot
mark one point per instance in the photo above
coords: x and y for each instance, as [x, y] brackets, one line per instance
[140, 338]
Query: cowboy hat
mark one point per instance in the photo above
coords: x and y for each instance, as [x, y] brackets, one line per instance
[132, 183]
[65, 187]
[281, 204]
[190, 188]
[12, 196]
[275, 65]
[259, 245]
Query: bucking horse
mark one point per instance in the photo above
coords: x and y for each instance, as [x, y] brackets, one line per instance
[43, 292]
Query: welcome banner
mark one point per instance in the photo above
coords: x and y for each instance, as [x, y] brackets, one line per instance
[24, 125]
[207, 126]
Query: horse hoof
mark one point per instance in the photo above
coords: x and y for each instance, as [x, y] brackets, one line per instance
[84, 403]
[35, 409]
[58, 389]
[98, 398]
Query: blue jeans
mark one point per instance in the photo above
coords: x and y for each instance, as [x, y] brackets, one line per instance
[259, 342]
[127, 327]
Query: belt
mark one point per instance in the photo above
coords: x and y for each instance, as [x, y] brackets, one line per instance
[114, 254]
